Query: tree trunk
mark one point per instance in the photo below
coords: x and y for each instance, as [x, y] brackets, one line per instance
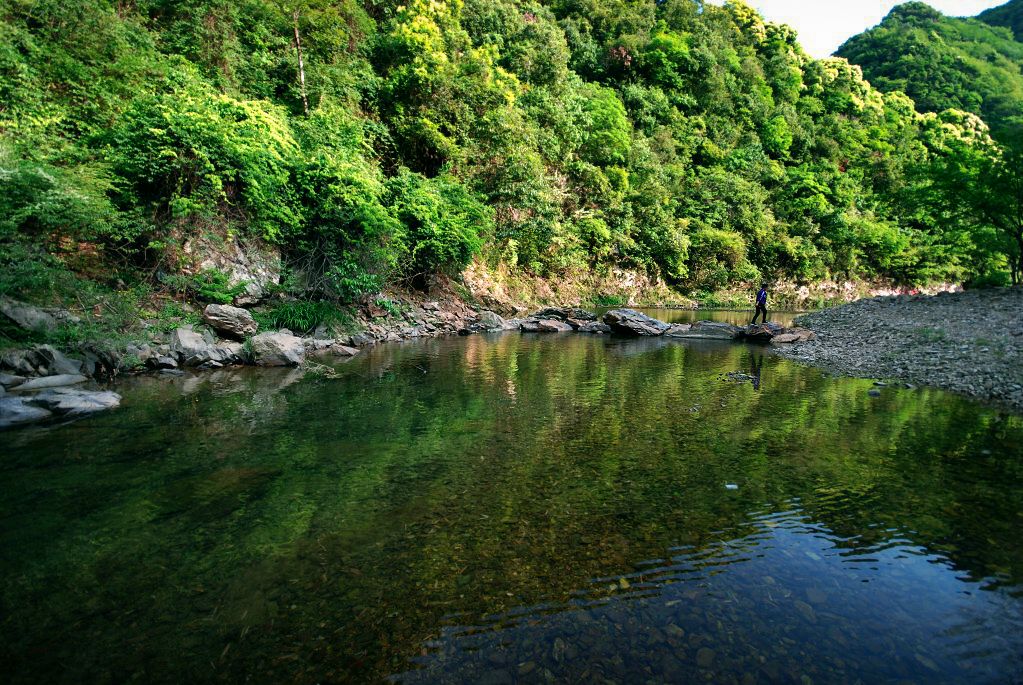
[301, 66]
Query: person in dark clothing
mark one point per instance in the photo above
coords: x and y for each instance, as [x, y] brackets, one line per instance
[761, 305]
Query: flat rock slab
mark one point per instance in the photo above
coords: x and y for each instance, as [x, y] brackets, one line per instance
[710, 330]
[678, 330]
[631, 322]
[74, 402]
[58, 381]
[793, 335]
[565, 314]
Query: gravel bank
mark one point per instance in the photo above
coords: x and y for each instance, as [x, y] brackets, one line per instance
[970, 342]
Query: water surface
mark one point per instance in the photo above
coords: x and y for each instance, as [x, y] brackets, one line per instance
[517, 508]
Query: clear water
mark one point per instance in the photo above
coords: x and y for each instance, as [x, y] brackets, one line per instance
[516, 508]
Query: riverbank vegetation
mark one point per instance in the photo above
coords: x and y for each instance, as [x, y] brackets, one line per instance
[376, 143]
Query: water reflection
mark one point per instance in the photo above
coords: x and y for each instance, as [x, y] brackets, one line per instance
[785, 601]
[517, 507]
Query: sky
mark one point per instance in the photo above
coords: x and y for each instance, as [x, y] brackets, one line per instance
[823, 25]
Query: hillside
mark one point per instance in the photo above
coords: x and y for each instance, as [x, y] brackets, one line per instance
[149, 148]
[1009, 15]
[946, 62]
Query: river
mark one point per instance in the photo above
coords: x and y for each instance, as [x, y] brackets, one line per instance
[518, 508]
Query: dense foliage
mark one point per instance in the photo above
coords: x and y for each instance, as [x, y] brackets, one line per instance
[1009, 15]
[946, 62]
[974, 65]
[695, 142]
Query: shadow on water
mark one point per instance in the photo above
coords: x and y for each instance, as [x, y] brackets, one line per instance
[516, 508]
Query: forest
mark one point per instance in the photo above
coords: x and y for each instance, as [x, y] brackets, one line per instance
[378, 143]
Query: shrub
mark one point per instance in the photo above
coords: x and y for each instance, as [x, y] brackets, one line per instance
[302, 316]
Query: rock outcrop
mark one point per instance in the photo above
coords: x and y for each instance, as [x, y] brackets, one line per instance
[631, 322]
[233, 322]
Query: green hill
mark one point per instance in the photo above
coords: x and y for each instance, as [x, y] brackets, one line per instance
[1009, 15]
[944, 62]
[375, 142]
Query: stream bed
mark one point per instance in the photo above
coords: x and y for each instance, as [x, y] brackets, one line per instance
[517, 508]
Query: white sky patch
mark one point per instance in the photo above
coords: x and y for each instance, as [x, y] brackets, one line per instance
[823, 25]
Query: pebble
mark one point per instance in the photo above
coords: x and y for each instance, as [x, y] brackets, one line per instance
[964, 342]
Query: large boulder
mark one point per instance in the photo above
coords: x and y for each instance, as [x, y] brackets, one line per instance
[631, 322]
[188, 344]
[75, 402]
[233, 322]
[709, 330]
[277, 349]
[194, 350]
[491, 321]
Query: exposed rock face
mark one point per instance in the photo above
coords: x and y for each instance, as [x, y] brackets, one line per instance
[33, 318]
[631, 322]
[709, 330]
[277, 349]
[252, 262]
[233, 322]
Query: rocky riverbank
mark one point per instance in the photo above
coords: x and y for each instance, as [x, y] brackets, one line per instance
[968, 342]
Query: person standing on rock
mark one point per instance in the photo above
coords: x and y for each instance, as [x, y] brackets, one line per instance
[761, 304]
